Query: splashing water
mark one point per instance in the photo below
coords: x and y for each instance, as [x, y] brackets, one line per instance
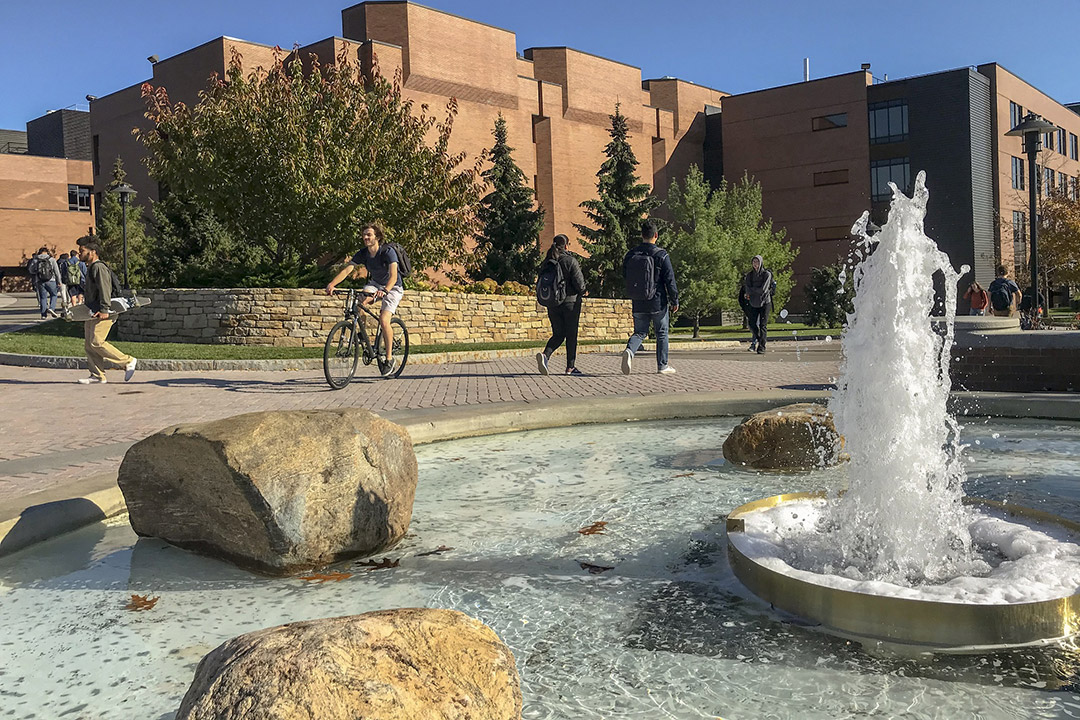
[902, 519]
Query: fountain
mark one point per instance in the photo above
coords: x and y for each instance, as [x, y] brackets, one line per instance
[902, 557]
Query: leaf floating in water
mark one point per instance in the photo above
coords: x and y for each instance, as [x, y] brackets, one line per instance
[141, 602]
[383, 564]
[594, 569]
[684, 475]
[597, 528]
[437, 551]
[321, 578]
[456, 459]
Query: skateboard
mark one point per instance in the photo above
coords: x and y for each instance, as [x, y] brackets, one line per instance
[81, 313]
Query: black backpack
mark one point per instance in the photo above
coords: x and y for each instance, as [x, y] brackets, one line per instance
[404, 265]
[41, 269]
[1000, 295]
[641, 273]
[550, 284]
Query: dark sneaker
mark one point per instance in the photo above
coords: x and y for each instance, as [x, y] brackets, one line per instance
[753, 347]
[390, 368]
[574, 371]
[541, 363]
[761, 350]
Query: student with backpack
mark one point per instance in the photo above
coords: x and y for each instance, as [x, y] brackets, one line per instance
[386, 265]
[1005, 295]
[74, 273]
[759, 286]
[560, 287]
[101, 287]
[650, 285]
[45, 276]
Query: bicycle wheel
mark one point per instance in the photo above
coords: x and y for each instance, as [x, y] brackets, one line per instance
[400, 354]
[340, 354]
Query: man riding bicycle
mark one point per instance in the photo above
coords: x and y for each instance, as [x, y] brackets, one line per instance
[383, 282]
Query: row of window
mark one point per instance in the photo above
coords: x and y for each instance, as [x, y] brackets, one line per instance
[1055, 140]
[888, 121]
[79, 198]
[1050, 180]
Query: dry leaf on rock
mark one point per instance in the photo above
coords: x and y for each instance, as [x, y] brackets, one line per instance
[597, 528]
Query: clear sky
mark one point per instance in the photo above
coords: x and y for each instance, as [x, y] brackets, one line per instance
[55, 52]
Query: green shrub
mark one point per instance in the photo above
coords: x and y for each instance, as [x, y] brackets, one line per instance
[827, 300]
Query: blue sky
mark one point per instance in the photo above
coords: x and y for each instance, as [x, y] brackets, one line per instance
[55, 52]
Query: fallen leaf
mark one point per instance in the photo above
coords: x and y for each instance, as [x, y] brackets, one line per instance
[594, 569]
[684, 475]
[456, 459]
[141, 602]
[321, 578]
[597, 528]
[383, 564]
[436, 551]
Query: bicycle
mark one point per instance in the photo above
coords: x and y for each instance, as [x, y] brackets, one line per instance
[348, 343]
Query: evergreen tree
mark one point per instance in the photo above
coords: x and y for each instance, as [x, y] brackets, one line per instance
[830, 296]
[110, 231]
[507, 246]
[622, 203]
[192, 249]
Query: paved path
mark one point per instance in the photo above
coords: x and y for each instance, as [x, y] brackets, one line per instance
[54, 431]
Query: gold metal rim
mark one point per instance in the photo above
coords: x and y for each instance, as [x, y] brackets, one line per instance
[930, 625]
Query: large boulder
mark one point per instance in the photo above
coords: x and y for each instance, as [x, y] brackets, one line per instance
[275, 492]
[799, 436]
[386, 665]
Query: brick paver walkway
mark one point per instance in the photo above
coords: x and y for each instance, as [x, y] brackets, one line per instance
[53, 431]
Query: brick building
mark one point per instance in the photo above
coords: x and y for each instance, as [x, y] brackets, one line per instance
[555, 100]
[825, 150]
[45, 189]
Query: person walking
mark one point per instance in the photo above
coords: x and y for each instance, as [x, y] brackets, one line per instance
[45, 276]
[1005, 295]
[564, 316]
[74, 276]
[650, 284]
[758, 286]
[101, 283]
[978, 299]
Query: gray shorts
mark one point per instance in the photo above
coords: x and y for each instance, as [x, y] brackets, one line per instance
[391, 299]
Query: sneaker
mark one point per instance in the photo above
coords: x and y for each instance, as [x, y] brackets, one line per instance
[761, 350]
[129, 369]
[627, 360]
[666, 370]
[541, 363]
[92, 381]
[53, 313]
[574, 371]
[390, 368]
[753, 347]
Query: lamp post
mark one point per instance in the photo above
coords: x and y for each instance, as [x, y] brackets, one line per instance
[1031, 129]
[124, 191]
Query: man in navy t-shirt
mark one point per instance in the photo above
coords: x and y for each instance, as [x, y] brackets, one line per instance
[383, 282]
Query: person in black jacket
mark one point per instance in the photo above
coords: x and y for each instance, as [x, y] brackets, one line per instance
[565, 316]
[654, 310]
[758, 287]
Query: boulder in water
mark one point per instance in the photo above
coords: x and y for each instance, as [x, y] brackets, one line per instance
[800, 436]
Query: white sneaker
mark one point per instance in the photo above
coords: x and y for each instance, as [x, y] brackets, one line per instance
[627, 361]
[129, 369]
[92, 381]
[666, 370]
[53, 313]
[541, 363]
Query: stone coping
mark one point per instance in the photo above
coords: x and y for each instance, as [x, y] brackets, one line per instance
[50, 513]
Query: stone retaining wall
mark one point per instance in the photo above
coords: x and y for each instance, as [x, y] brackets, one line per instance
[298, 318]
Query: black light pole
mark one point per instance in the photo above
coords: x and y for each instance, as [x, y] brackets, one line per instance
[124, 190]
[1031, 129]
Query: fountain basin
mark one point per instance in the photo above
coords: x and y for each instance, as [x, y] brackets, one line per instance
[907, 623]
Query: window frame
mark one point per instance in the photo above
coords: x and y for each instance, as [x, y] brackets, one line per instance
[883, 192]
[79, 198]
[829, 122]
[887, 107]
[1018, 173]
[1016, 114]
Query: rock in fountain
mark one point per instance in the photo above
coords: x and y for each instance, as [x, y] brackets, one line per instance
[901, 557]
[800, 436]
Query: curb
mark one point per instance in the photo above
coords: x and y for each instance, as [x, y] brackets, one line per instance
[50, 513]
[61, 362]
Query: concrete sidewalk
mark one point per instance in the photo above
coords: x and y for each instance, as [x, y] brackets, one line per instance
[54, 432]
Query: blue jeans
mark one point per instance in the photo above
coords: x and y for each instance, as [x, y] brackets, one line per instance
[47, 288]
[659, 321]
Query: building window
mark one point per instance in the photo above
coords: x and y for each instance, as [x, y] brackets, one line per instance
[96, 155]
[836, 232]
[1072, 189]
[79, 198]
[1063, 183]
[882, 172]
[1048, 181]
[1019, 238]
[1048, 140]
[888, 121]
[1061, 140]
[829, 122]
[1074, 150]
[1016, 114]
[831, 177]
[1018, 173]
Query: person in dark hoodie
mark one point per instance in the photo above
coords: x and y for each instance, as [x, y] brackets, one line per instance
[564, 317]
[758, 287]
[650, 309]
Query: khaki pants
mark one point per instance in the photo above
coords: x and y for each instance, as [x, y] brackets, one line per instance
[99, 353]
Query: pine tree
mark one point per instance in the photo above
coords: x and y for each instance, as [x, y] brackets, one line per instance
[110, 231]
[616, 214]
[507, 246]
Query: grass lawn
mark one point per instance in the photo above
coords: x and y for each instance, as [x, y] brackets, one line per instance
[62, 338]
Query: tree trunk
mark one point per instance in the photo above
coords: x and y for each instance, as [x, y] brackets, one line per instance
[697, 325]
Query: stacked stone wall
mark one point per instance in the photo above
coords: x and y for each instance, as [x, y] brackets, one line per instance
[302, 318]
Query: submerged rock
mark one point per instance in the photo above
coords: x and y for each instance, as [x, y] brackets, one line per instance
[387, 665]
[276, 492]
[800, 436]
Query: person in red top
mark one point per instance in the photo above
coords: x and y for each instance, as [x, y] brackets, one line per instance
[979, 299]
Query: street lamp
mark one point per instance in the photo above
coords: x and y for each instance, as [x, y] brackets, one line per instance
[1031, 129]
[124, 191]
